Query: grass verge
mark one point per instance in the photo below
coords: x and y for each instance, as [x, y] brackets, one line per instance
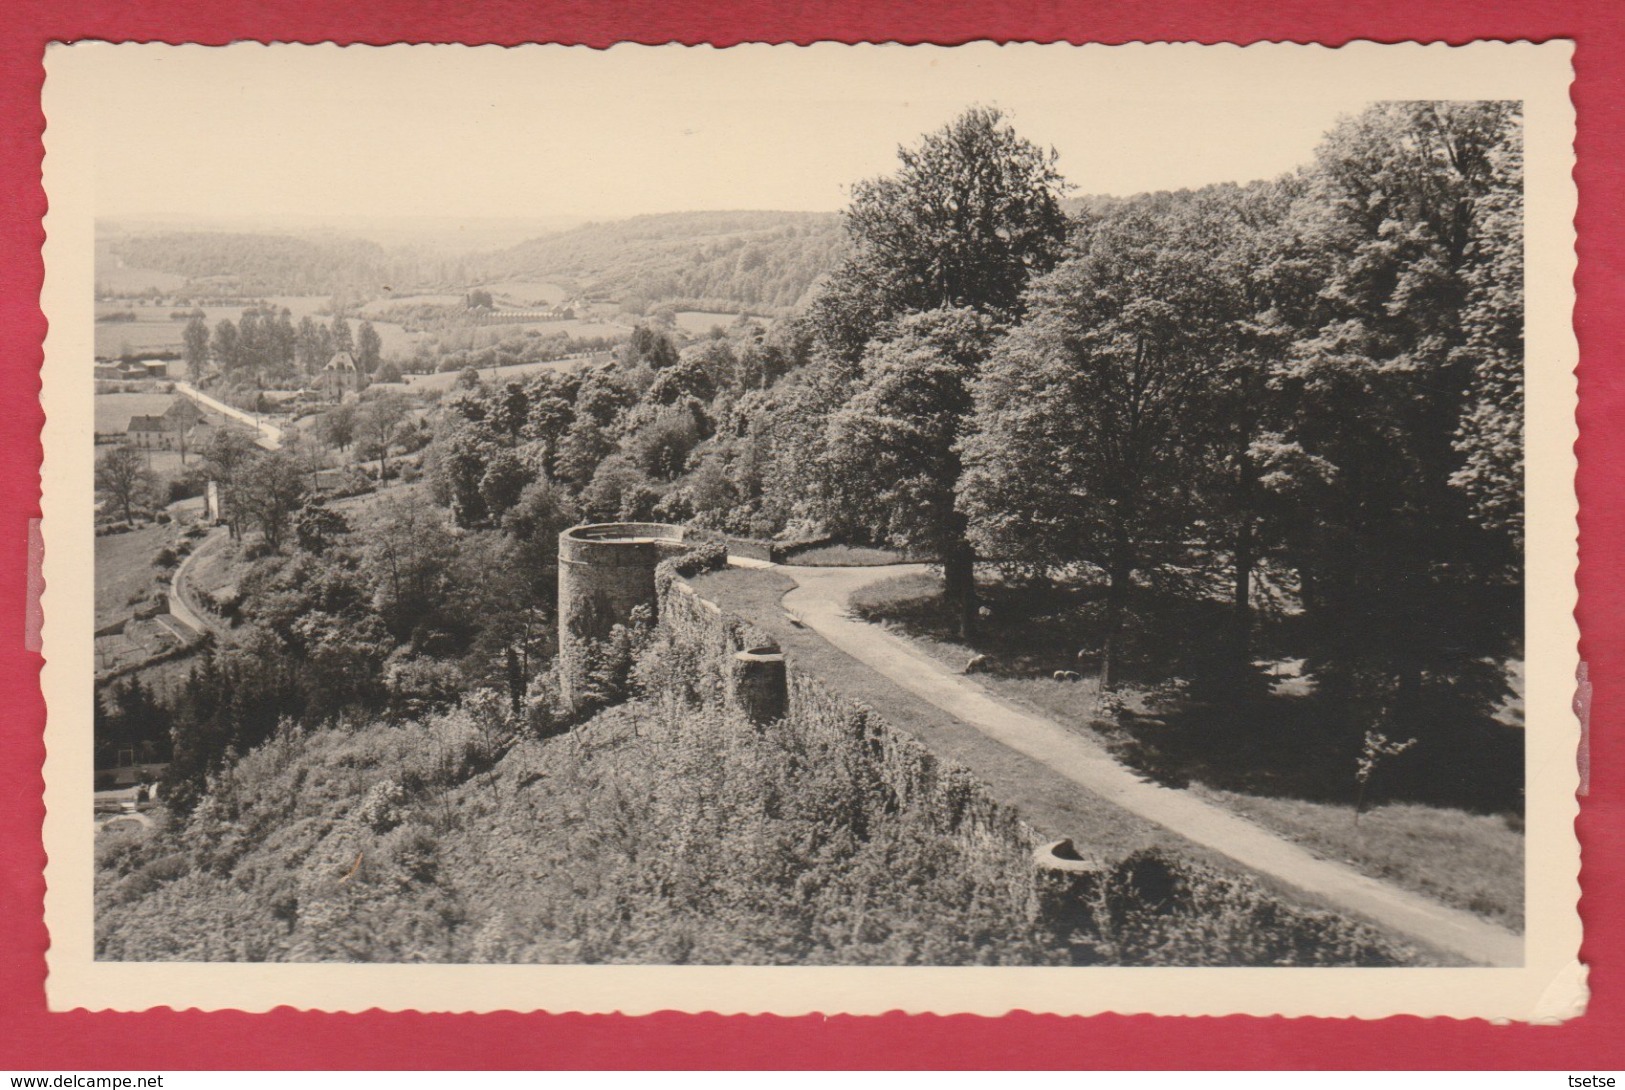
[847, 556]
[1470, 861]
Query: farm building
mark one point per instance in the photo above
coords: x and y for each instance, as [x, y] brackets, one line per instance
[148, 432]
[182, 414]
[341, 378]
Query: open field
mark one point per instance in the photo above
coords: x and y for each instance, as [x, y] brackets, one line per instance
[113, 411]
[699, 322]
[440, 299]
[445, 380]
[140, 641]
[362, 511]
[528, 292]
[113, 276]
[124, 569]
[154, 330]
[574, 327]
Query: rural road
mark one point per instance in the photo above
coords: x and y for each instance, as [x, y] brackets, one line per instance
[819, 601]
[269, 435]
[183, 599]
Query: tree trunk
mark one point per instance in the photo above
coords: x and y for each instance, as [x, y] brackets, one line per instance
[1246, 562]
[959, 582]
[1116, 593]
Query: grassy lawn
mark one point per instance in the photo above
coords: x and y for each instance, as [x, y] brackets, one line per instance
[445, 380]
[124, 570]
[1471, 861]
[847, 556]
[113, 411]
[1271, 756]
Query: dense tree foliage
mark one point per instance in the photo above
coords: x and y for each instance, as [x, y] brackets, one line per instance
[969, 215]
[894, 447]
[122, 475]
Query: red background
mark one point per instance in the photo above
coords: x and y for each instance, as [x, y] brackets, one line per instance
[33, 1039]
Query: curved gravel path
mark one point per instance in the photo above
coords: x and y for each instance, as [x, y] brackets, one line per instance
[820, 602]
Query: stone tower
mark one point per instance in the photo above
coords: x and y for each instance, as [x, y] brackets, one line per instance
[606, 570]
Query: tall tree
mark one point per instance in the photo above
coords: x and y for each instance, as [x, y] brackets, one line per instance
[378, 422]
[196, 348]
[970, 215]
[226, 457]
[252, 344]
[1085, 445]
[281, 342]
[1414, 206]
[1490, 436]
[336, 427]
[342, 340]
[271, 489]
[894, 457]
[368, 348]
[224, 346]
[308, 346]
[123, 475]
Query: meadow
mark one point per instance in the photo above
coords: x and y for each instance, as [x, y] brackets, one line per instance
[445, 380]
[697, 323]
[154, 330]
[113, 411]
[124, 570]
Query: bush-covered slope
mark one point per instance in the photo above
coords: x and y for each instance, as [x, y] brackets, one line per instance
[663, 830]
[640, 838]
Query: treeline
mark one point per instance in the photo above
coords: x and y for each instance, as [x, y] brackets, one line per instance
[760, 259]
[649, 434]
[458, 346]
[265, 348]
[1318, 377]
[268, 264]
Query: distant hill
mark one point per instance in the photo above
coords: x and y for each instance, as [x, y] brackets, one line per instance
[259, 264]
[705, 260]
[754, 259]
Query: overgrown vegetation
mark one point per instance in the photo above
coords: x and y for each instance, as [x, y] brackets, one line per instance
[663, 830]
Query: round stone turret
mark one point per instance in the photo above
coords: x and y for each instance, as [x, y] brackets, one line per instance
[757, 685]
[1065, 887]
[606, 570]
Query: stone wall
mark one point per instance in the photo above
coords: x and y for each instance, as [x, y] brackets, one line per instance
[959, 803]
[607, 570]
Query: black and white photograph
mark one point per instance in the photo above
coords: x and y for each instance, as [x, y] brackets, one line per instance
[779, 508]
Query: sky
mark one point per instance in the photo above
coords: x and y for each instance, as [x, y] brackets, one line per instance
[411, 131]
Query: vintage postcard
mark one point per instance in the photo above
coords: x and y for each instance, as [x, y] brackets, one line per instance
[812, 529]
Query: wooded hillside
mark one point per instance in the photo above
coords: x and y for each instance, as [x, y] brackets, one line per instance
[761, 259]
